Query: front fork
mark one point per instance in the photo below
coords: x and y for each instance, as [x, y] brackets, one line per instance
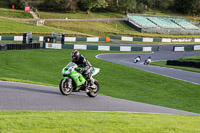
[68, 82]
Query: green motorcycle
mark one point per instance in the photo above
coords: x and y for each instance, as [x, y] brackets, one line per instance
[73, 81]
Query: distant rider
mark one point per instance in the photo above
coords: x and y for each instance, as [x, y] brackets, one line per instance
[147, 61]
[137, 59]
[87, 68]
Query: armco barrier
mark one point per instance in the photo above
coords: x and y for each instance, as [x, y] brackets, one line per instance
[163, 40]
[102, 39]
[19, 46]
[100, 47]
[186, 48]
[67, 39]
[183, 63]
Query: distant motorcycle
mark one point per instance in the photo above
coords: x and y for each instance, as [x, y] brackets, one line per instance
[137, 59]
[147, 61]
[74, 81]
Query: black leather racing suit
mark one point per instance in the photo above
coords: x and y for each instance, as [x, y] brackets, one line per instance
[86, 65]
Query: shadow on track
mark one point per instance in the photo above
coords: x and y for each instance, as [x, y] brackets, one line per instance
[30, 89]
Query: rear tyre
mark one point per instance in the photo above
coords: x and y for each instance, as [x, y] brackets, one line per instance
[94, 92]
[66, 86]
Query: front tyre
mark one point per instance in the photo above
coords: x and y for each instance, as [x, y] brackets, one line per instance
[93, 92]
[66, 86]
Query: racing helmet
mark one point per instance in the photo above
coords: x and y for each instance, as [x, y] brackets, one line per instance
[75, 55]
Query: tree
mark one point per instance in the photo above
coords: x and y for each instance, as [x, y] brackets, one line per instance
[4, 3]
[164, 4]
[19, 4]
[140, 7]
[195, 7]
[126, 5]
[90, 4]
[187, 6]
[56, 5]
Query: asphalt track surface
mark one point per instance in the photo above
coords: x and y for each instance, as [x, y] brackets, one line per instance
[22, 96]
[127, 59]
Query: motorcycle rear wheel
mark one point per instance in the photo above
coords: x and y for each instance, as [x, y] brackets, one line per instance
[94, 92]
[65, 89]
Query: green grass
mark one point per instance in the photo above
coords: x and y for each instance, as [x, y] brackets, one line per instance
[163, 64]
[26, 81]
[10, 42]
[192, 69]
[95, 122]
[16, 27]
[78, 15]
[16, 42]
[104, 29]
[14, 13]
[157, 13]
[101, 29]
[119, 81]
[78, 42]
[84, 15]
[192, 58]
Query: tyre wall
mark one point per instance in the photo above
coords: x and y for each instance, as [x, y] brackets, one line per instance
[4, 47]
[183, 63]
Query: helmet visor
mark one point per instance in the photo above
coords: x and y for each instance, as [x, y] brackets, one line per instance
[74, 58]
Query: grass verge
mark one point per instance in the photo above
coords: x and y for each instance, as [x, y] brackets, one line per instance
[101, 29]
[108, 28]
[15, 27]
[16, 42]
[14, 13]
[192, 69]
[98, 122]
[119, 81]
[192, 58]
[26, 81]
[78, 15]
[78, 42]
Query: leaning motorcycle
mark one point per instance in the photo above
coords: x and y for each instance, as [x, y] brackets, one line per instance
[147, 61]
[73, 81]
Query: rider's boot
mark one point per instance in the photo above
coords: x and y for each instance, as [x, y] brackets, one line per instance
[78, 88]
[91, 83]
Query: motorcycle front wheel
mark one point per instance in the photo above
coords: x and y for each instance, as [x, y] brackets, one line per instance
[93, 92]
[66, 86]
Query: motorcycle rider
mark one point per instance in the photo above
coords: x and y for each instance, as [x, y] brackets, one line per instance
[81, 61]
[137, 59]
[147, 61]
